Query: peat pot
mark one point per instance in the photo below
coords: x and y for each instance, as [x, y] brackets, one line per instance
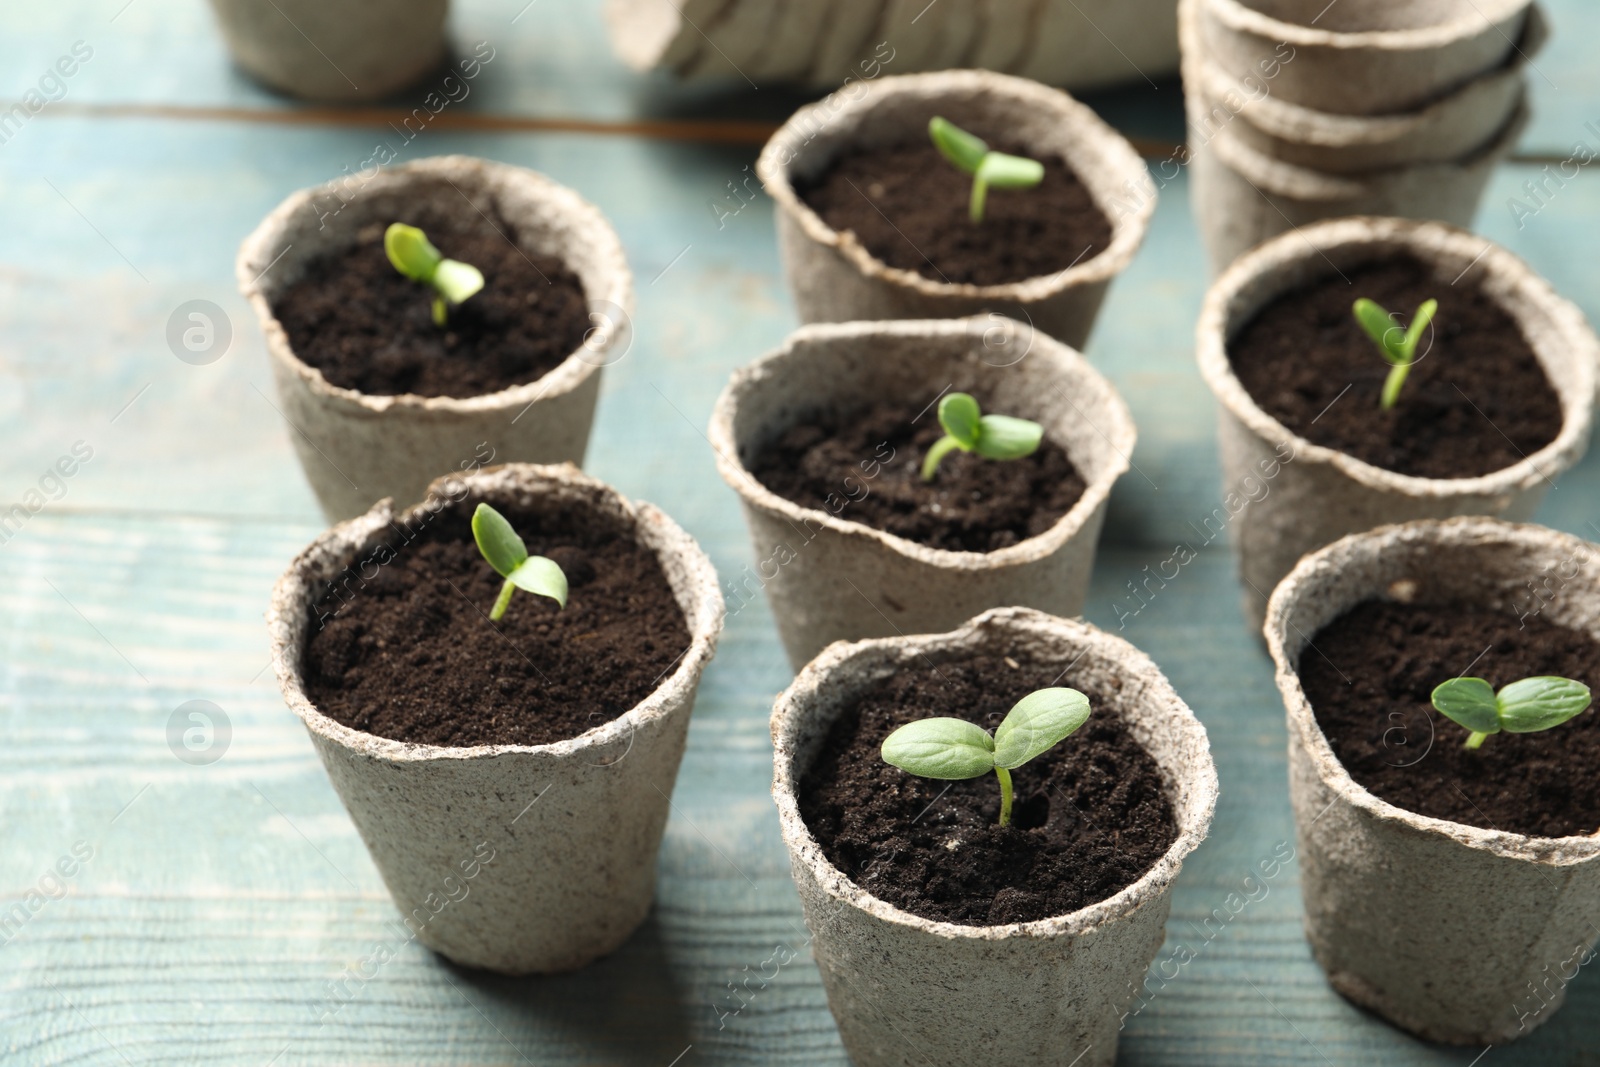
[829, 578]
[1502, 913]
[910, 992]
[572, 876]
[1317, 495]
[835, 279]
[335, 50]
[356, 448]
[1362, 57]
[1450, 128]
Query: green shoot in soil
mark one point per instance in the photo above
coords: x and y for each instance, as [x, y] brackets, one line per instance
[413, 255]
[949, 748]
[972, 155]
[991, 436]
[1397, 343]
[505, 552]
[1524, 707]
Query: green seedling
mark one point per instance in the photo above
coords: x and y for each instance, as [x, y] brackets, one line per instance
[413, 255]
[1524, 707]
[991, 436]
[505, 552]
[1397, 343]
[987, 168]
[948, 748]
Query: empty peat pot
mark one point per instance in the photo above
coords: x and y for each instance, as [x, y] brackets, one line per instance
[359, 447]
[335, 50]
[836, 278]
[830, 577]
[907, 990]
[1294, 495]
[1362, 57]
[518, 858]
[1457, 933]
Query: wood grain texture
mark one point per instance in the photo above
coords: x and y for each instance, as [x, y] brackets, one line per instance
[224, 904]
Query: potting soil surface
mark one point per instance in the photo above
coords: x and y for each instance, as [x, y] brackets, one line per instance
[408, 651]
[367, 327]
[1476, 399]
[1089, 818]
[1370, 679]
[866, 467]
[908, 206]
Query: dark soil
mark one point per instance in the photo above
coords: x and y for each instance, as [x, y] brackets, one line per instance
[1370, 679]
[908, 206]
[404, 649]
[366, 327]
[1475, 403]
[867, 468]
[1089, 818]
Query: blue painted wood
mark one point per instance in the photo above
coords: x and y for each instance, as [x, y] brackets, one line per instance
[222, 901]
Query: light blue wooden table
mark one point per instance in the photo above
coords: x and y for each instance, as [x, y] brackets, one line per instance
[222, 901]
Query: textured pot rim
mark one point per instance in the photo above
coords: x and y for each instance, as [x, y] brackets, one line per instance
[1303, 243]
[1288, 120]
[1121, 434]
[1241, 18]
[1127, 227]
[567, 376]
[292, 593]
[1318, 567]
[1305, 183]
[803, 846]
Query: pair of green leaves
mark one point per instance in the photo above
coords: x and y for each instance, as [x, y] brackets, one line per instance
[413, 255]
[505, 552]
[1397, 343]
[1523, 707]
[949, 748]
[972, 155]
[969, 429]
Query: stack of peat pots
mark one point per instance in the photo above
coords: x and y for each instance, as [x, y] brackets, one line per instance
[1370, 107]
[1078, 44]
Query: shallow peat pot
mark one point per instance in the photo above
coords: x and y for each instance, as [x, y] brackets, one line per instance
[381, 396]
[1463, 924]
[971, 985]
[825, 441]
[1362, 57]
[874, 224]
[335, 51]
[1499, 401]
[510, 779]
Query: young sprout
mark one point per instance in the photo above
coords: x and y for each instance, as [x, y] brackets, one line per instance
[992, 436]
[506, 553]
[1397, 343]
[1524, 707]
[955, 748]
[413, 255]
[987, 168]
